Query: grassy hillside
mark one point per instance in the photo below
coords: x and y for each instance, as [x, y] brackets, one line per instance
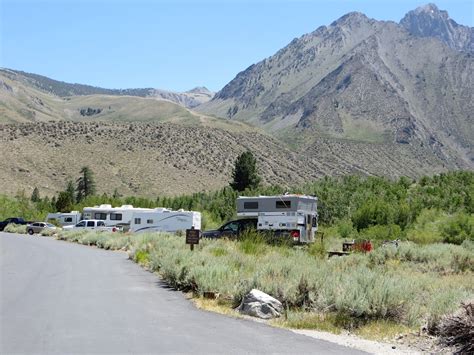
[22, 102]
[187, 99]
[145, 159]
[148, 159]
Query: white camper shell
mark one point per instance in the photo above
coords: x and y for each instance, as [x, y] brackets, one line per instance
[287, 215]
[64, 219]
[163, 219]
[144, 219]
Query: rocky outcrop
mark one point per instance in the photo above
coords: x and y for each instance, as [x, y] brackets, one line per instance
[258, 304]
[429, 21]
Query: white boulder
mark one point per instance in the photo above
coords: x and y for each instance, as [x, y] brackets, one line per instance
[258, 304]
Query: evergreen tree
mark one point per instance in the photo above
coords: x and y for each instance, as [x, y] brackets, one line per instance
[35, 196]
[71, 191]
[85, 184]
[64, 203]
[245, 172]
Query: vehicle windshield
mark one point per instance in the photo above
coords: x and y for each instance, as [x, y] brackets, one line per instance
[232, 226]
[50, 225]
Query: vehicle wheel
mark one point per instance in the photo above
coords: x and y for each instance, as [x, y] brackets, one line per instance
[30, 231]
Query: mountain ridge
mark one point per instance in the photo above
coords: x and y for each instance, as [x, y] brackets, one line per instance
[360, 77]
[188, 99]
[429, 21]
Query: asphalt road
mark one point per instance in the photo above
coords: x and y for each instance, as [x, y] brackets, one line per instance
[59, 297]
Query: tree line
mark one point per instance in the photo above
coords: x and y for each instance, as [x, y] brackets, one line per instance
[352, 206]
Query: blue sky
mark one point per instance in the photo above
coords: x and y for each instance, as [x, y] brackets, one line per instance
[174, 45]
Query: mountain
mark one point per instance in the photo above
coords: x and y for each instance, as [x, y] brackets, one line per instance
[358, 96]
[25, 98]
[429, 21]
[189, 99]
[357, 81]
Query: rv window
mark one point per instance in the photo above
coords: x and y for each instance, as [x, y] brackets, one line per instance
[68, 219]
[251, 205]
[149, 221]
[283, 204]
[102, 216]
[116, 216]
[138, 221]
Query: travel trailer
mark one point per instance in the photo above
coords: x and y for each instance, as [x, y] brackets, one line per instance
[294, 216]
[163, 219]
[113, 216]
[144, 219]
[64, 219]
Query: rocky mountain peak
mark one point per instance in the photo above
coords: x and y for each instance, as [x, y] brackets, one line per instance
[429, 21]
[351, 18]
[200, 90]
[430, 9]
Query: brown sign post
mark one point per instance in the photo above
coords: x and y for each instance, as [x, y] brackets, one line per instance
[192, 237]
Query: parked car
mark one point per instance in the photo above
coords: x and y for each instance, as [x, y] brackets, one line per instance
[37, 227]
[231, 229]
[92, 224]
[14, 220]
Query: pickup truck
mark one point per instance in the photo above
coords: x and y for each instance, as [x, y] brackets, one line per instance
[15, 220]
[231, 229]
[92, 224]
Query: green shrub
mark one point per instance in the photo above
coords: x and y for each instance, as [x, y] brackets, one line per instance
[373, 212]
[49, 232]
[458, 228]
[251, 242]
[15, 228]
[382, 233]
[346, 229]
[427, 227]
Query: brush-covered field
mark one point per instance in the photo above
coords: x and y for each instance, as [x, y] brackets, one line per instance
[396, 288]
[407, 286]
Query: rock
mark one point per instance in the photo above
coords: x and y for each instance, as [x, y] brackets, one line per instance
[258, 304]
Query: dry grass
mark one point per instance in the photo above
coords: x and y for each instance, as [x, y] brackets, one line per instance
[144, 159]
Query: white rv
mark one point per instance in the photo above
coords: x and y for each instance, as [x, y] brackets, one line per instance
[165, 220]
[64, 219]
[113, 216]
[286, 215]
[144, 219]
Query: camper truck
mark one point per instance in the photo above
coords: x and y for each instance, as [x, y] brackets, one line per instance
[64, 219]
[293, 216]
[163, 219]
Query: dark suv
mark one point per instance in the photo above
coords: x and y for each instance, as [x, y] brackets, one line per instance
[231, 229]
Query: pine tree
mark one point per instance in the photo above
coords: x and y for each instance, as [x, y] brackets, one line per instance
[64, 203]
[71, 191]
[35, 196]
[85, 184]
[245, 172]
